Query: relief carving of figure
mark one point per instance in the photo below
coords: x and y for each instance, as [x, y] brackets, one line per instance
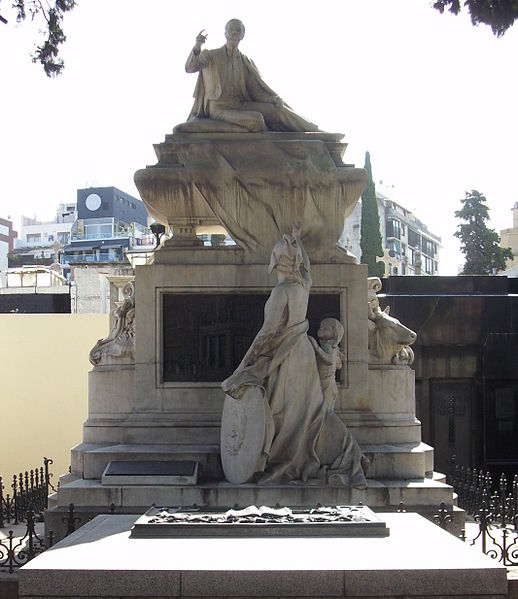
[329, 357]
[303, 438]
[119, 346]
[389, 340]
[230, 89]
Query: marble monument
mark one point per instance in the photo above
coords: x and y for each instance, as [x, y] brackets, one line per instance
[298, 421]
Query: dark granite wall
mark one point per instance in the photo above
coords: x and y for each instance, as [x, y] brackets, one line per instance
[466, 365]
[35, 303]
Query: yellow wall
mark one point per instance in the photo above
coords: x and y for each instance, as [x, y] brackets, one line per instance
[43, 387]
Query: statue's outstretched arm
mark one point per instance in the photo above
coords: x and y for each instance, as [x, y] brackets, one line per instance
[194, 60]
[295, 231]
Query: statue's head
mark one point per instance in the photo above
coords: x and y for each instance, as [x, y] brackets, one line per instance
[286, 256]
[331, 329]
[234, 31]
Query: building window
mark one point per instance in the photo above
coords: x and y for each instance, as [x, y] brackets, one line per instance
[414, 238]
[395, 246]
[428, 265]
[100, 228]
[393, 228]
[63, 237]
[33, 237]
[428, 246]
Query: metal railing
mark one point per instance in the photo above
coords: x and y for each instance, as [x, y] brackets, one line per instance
[29, 492]
[17, 551]
[494, 508]
[477, 491]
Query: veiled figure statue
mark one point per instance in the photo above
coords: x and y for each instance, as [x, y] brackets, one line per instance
[303, 437]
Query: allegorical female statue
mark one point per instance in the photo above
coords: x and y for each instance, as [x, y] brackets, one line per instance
[303, 437]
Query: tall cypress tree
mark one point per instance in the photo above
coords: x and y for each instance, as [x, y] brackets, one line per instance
[370, 241]
[479, 243]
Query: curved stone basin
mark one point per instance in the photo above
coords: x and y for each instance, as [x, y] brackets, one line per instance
[256, 185]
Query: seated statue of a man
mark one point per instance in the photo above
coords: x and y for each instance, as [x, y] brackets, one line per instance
[230, 88]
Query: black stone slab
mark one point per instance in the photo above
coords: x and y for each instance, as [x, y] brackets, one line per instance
[206, 336]
[150, 468]
[335, 521]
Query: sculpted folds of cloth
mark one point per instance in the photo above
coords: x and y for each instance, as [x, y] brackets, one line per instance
[301, 436]
[231, 90]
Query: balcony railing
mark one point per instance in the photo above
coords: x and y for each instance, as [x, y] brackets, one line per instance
[93, 258]
[76, 237]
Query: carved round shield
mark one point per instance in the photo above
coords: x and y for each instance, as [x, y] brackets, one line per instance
[242, 435]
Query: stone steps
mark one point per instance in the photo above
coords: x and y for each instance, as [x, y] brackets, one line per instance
[415, 492]
[399, 460]
[388, 461]
[90, 498]
[90, 460]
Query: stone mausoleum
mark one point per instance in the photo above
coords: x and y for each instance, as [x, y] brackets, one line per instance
[260, 374]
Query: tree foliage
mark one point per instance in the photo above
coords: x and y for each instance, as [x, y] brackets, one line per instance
[479, 243]
[370, 241]
[499, 14]
[51, 15]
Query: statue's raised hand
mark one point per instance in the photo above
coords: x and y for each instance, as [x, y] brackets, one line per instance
[200, 38]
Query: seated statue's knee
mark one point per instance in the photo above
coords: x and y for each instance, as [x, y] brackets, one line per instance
[256, 124]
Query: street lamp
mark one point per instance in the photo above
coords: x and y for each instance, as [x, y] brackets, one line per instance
[158, 230]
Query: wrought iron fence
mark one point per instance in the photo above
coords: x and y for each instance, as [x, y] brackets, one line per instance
[477, 492]
[15, 551]
[494, 508]
[30, 492]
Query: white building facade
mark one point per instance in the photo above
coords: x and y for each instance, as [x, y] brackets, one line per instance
[42, 240]
[409, 247]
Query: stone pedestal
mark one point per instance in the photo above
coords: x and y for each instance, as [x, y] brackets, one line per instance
[256, 185]
[417, 560]
[198, 308]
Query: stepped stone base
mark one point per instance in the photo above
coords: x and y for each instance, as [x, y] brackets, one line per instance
[387, 460]
[417, 560]
[91, 498]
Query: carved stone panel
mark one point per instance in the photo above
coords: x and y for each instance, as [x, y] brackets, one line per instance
[206, 336]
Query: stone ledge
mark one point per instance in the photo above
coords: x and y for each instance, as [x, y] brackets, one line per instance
[418, 560]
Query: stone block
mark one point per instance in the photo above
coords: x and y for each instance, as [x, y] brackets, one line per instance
[391, 391]
[111, 391]
[418, 560]
[396, 461]
[96, 460]
[275, 583]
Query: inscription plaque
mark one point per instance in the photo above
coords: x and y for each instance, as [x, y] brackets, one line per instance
[206, 336]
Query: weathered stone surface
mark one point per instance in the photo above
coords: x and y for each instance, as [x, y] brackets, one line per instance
[255, 185]
[242, 435]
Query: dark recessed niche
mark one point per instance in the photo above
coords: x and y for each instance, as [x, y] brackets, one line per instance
[206, 336]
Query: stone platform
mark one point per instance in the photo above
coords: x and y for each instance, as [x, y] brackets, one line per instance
[90, 497]
[417, 560]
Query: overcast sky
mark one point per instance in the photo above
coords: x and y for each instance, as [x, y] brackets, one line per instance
[430, 96]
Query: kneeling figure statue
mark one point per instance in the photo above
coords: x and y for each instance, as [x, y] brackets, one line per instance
[277, 425]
